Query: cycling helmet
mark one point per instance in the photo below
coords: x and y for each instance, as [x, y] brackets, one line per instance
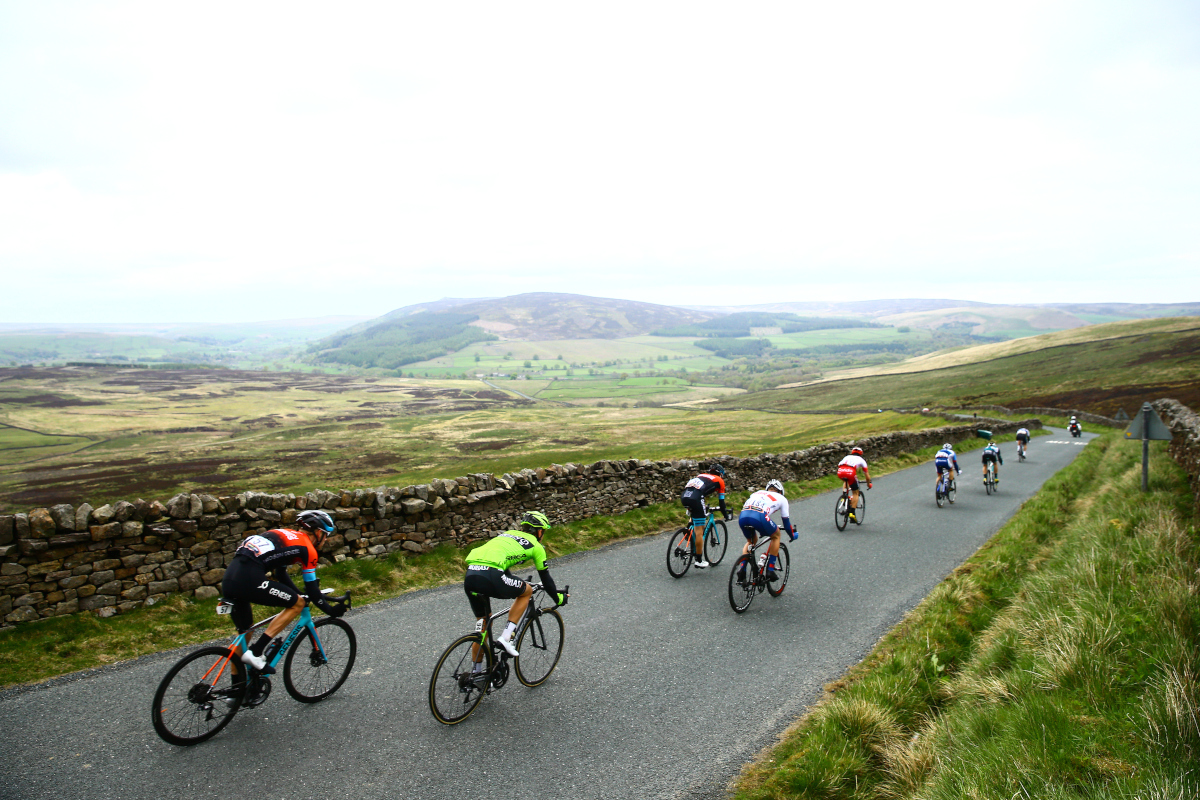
[316, 521]
[947, 446]
[537, 522]
[858, 451]
[717, 469]
[774, 486]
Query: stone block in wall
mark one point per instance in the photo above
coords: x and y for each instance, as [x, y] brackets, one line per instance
[23, 614]
[123, 511]
[174, 569]
[109, 530]
[179, 506]
[111, 588]
[96, 601]
[67, 539]
[187, 527]
[41, 524]
[163, 587]
[63, 516]
[207, 593]
[31, 547]
[29, 599]
[131, 528]
[190, 581]
[413, 505]
[101, 577]
[103, 515]
[212, 576]
[209, 504]
[6, 529]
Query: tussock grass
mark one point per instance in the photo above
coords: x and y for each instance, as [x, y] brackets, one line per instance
[1060, 661]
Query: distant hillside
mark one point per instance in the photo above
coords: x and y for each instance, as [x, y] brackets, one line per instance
[413, 334]
[1099, 369]
[750, 323]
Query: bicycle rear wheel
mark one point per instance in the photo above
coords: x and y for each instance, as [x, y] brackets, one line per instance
[309, 675]
[198, 697]
[679, 552]
[454, 690]
[716, 542]
[987, 480]
[939, 495]
[951, 490]
[841, 512]
[860, 513]
[540, 646]
[783, 569]
[742, 588]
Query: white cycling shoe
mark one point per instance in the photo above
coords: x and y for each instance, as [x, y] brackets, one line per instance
[257, 662]
[702, 564]
[508, 647]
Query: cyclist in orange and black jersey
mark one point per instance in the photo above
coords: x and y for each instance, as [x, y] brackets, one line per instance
[246, 579]
[694, 492]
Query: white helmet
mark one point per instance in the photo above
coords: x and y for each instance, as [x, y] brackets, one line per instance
[774, 486]
[947, 446]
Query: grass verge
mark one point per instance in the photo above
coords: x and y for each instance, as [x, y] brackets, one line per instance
[1061, 660]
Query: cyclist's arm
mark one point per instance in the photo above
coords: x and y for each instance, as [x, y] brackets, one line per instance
[724, 510]
[549, 585]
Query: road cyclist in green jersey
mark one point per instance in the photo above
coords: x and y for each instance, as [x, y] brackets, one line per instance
[488, 576]
[992, 453]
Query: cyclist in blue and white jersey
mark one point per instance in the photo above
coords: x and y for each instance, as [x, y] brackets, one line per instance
[946, 461]
[992, 453]
[755, 519]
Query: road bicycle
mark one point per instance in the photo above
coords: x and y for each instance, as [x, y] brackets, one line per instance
[989, 477]
[476, 664]
[680, 552]
[945, 490]
[841, 509]
[204, 690]
[749, 575]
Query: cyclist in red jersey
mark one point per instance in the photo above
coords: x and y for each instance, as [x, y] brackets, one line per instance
[848, 469]
[694, 492]
[246, 581]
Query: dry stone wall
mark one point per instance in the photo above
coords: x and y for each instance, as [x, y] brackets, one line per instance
[121, 556]
[1185, 446]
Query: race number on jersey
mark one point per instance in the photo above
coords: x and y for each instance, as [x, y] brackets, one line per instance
[258, 545]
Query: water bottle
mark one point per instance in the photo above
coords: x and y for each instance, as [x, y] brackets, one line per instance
[762, 561]
[272, 649]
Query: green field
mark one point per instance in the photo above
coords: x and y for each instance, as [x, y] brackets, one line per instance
[847, 336]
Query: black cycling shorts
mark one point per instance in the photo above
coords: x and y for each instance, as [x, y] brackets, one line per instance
[483, 583]
[246, 582]
[989, 457]
[694, 503]
[1023, 438]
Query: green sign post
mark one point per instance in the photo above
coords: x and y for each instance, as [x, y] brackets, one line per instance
[1146, 426]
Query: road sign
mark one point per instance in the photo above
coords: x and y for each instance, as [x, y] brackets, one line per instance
[1148, 425]
[1121, 416]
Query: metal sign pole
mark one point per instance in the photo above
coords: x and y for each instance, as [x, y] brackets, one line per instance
[1146, 447]
[1146, 426]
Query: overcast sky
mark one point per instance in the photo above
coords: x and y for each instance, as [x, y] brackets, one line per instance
[256, 160]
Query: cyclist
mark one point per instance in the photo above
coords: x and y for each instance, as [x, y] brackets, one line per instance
[847, 470]
[245, 581]
[1075, 428]
[488, 576]
[992, 453]
[1023, 441]
[756, 519]
[946, 461]
[694, 492]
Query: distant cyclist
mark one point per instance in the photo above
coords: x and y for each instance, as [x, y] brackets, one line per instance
[488, 575]
[946, 461]
[1074, 427]
[847, 470]
[991, 454]
[694, 492]
[246, 580]
[1023, 441]
[755, 520]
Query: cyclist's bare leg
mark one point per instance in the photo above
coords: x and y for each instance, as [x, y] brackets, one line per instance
[773, 547]
[520, 604]
[276, 627]
[698, 541]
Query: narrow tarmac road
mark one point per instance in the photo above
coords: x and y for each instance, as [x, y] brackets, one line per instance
[662, 691]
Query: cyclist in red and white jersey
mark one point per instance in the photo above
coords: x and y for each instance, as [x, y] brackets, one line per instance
[755, 519]
[694, 492]
[847, 470]
[245, 580]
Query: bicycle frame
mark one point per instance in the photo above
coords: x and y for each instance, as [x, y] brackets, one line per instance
[709, 524]
[487, 641]
[303, 622]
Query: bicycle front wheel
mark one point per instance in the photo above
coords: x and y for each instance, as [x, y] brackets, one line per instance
[860, 513]
[783, 569]
[540, 646]
[312, 673]
[841, 512]
[198, 697]
[939, 496]
[679, 552]
[987, 481]
[951, 490]
[741, 583]
[715, 543]
[454, 690]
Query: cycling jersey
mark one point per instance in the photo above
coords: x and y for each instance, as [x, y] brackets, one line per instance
[488, 570]
[945, 459]
[848, 469]
[992, 453]
[1022, 434]
[699, 487]
[756, 514]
